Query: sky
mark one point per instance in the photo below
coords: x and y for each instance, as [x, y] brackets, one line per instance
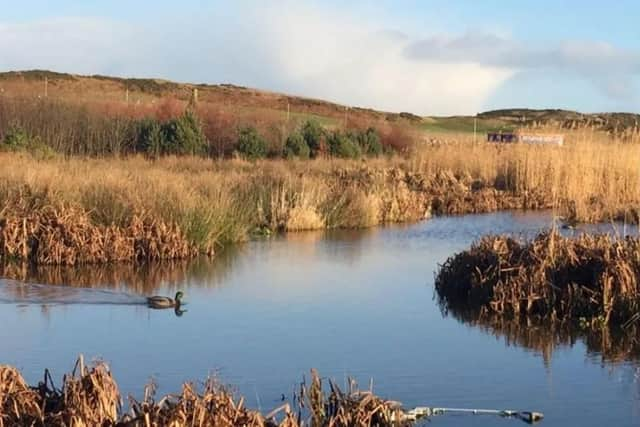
[430, 57]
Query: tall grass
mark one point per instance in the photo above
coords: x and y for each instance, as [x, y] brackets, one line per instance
[587, 179]
[210, 203]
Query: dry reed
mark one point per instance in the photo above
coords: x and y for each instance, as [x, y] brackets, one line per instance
[90, 397]
[95, 210]
[591, 277]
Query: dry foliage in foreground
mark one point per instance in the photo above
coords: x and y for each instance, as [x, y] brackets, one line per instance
[594, 278]
[90, 397]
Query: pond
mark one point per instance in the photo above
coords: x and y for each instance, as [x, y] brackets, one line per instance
[349, 303]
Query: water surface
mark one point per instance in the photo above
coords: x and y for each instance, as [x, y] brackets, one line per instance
[351, 303]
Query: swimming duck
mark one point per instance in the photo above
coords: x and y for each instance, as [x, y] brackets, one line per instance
[165, 302]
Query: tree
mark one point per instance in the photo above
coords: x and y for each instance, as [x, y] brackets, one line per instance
[341, 145]
[183, 135]
[150, 138]
[296, 146]
[369, 142]
[313, 133]
[250, 144]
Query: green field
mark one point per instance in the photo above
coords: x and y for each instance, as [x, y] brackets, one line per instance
[463, 124]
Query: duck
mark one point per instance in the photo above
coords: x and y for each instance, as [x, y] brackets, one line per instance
[165, 302]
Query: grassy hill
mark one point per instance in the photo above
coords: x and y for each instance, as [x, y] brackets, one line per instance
[243, 101]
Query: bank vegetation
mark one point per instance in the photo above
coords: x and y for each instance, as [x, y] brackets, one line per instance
[89, 396]
[101, 183]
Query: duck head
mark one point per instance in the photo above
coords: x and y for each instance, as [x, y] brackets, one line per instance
[178, 298]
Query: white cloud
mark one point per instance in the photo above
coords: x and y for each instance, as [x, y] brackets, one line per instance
[312, 51]
[610, 69]
[301, 49]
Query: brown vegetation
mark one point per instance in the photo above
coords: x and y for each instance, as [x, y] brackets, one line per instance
[79, 210]
[90, 397]
[592, 278]
[145, 92]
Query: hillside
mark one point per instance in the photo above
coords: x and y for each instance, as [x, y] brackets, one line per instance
[564, 118]
[244, 101]
[99, 88]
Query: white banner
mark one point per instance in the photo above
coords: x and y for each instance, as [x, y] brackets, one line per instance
[541, 139]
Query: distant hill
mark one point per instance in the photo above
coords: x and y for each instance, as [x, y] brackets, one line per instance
[614, 122]
[105, 88]
[240, 100]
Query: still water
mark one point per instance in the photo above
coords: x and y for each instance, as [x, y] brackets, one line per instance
[351, 304]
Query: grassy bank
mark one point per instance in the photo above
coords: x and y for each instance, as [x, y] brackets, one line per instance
[90, 397]
[594, 280]
[98, 210]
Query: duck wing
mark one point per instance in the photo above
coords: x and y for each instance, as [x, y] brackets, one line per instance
[160, 300]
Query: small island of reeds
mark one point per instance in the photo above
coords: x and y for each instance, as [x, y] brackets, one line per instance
[592, 279]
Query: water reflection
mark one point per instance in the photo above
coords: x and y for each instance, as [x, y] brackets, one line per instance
[350, 303]
[606, 345]
[140, 279]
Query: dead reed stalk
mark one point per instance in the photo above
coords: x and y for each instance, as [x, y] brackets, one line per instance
[90, 397]
[594, 277]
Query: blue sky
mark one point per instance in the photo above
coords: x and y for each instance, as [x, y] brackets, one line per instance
[428, 57]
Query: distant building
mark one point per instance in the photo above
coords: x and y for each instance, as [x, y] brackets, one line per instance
[502, 137]
[541, 138]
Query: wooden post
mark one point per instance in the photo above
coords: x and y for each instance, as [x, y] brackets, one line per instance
[46, 86]
[288, 111]
[345, 117]
[126, 96]
[193, 100]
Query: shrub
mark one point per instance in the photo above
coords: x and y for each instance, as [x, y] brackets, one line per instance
[149, 137]
[250, 144]
[397, 139]
[220, 129]
[40, 151]
[369, 142]
[312, 132]
[183, 135]
[296, 146]
[341, 145]
[16, 138]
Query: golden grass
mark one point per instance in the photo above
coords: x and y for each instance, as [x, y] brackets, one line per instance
[90, 397]
[592, 178]
[79, 210]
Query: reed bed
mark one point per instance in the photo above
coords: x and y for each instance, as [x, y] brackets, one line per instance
[90, 210]
[591, 278]
[90, 397]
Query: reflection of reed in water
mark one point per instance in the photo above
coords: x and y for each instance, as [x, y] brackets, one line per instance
[340, 245]
[140, 279]
[544, 337]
